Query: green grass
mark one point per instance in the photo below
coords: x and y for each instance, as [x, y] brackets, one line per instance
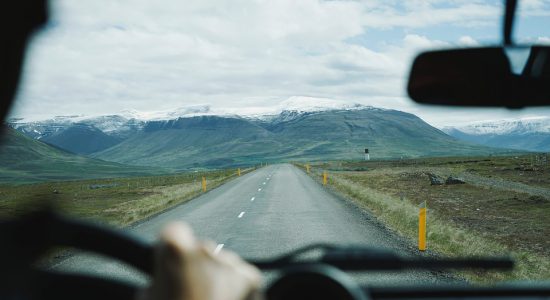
[463, 220]
[118, 201]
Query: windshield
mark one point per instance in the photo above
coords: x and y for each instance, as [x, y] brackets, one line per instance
[271, 125]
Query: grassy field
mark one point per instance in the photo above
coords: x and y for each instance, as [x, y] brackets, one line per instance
[118, 201]
[502, 209]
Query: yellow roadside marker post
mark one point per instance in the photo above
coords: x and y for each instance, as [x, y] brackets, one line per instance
[203, 184]
[239, 171]
[422, 227]
[307, 168]
[325, 177]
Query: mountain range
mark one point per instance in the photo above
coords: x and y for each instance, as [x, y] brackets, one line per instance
[24, 159]
[532, 134]
[199, 140]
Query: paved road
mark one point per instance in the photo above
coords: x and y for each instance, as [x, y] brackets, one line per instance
[267, 212]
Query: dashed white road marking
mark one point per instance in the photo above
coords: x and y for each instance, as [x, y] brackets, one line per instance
[259, 189]
[263, 183]
[252, 199]
[241, 214]
[218, 249]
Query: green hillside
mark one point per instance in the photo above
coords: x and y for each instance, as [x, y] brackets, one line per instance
[23, 159]
[386, 133]
[195, 142]
[81, 139]
[213, 141]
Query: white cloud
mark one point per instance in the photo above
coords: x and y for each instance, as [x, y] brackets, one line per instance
[534, 8]
[467, 40]
[103, 56]
[428, 13]
[418, 42]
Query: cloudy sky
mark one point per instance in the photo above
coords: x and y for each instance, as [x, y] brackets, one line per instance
[105, 56]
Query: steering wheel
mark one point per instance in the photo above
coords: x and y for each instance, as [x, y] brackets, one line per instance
[315, 282]
[28, 238]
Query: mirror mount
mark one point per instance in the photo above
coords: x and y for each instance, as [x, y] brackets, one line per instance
[503, 76]
[509, 15]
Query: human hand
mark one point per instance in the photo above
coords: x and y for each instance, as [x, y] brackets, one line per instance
[188, 269]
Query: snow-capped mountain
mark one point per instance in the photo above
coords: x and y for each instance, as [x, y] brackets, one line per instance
[309, 128]
[185, 111]
[294, 103]
[90, 134]
[113, 125]
[312, 104]
[126, 122]
[297, 106]
[531, 133]
[524, 125]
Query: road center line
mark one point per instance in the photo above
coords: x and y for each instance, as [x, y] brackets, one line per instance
[252, 199]
[263, 183]
[241, 214]
[259, 189]
[218, 249]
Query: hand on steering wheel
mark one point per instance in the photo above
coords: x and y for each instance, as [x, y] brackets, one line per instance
[188, 269]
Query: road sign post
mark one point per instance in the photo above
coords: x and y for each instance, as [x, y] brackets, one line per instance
[422, 227]
[239, 171]
[203, 184]
[307, 168]
[325, 177]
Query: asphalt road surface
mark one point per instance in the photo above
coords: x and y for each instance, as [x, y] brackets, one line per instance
[264, 213]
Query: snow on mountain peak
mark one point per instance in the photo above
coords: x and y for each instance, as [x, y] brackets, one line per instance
[506, 126]
[311, 104]
[300, 104]
[297, 105]
[185, 111]
[131, 119]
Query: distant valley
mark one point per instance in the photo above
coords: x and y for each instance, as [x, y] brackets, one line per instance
[25, 160]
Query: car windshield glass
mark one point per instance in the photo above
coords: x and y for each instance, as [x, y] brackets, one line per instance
[272, 125]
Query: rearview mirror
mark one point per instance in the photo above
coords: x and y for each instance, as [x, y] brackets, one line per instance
[512, 77]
